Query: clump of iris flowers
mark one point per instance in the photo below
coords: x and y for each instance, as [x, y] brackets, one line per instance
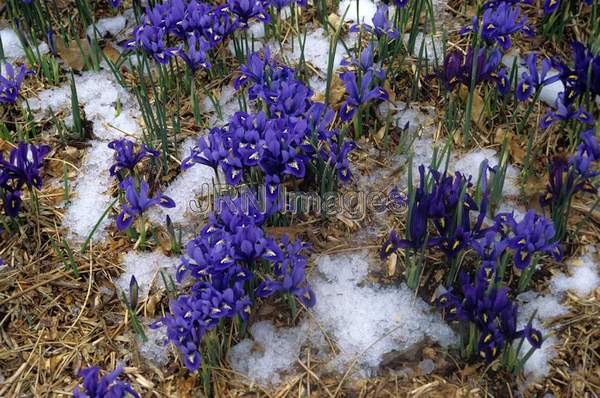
[21, 170]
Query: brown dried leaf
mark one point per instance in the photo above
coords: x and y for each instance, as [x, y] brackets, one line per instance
[72, 54]
[516, 150]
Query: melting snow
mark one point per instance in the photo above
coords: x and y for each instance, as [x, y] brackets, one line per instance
[91, 197]
[364, 14]
[146, 267]
[583, 281]
[427, 47]
[270, 353]
[186, 187]
[99, 93]
[366, 320]
[154, 349]
[13, 49]
[584, 275]
[316, 50]
[105, 26]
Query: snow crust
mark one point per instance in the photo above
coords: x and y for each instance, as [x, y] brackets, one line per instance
[101, 97]
[583, 280]
[364, 14]
[366, 320]
[146, 267]
[270, 353]
[187, 186]
[154, 349]
[107, 26]
[13, 49]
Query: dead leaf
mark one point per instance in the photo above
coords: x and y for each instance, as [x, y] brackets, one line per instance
[73, 55]
[516, 150]
[111, 53]
[477, 106]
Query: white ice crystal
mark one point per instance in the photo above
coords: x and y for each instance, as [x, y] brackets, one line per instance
[147, 268]
[361, 11]
[154, 348]
[188, 186]
[91, 197]
[366, 320]
[269, 354]
[104, 26]
[584, 276]
[13, 49]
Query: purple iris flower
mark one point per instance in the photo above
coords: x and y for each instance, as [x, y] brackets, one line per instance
[496, 3]
[359, 93]
[458, 69]
[337, 157]
[279, 4]
[10, 85]
[532, 80]
[381, 24]
[401, 3]
[247, 10]
[126, 157]
[115, 3]
[196, 53]
[210, 151]
[151, 39]
[366, 62]
[417, 223]
[96, 386]
[290, 275]
[565, 112]
[490, 248]
[23, 166]
[566, 179]
[532, 235]
[138, 201]
[577, 78]
[497, 24]
[552, 5]
[490, 310]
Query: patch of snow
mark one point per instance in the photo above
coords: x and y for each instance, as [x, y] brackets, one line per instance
[270, 353]
[363, 14]
[146, 267]
[316, 50]
[584, 278]
[91, 197]
[155, 349]
[583, 281]
[106, 26]
[12, 46]
[470, 164]
[427, 46]
[547, 307]
[100, 94]
[187, 186]
[366, 320]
